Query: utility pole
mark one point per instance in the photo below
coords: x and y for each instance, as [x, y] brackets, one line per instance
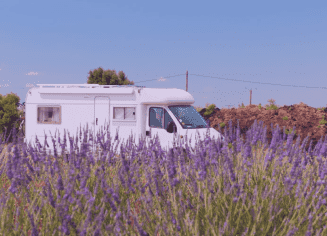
[186, 81]
[250, 96]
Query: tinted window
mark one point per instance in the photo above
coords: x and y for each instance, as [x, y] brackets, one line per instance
[156, 117]
[159, 117]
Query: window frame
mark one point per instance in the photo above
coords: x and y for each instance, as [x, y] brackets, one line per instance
[42, 107]
[124, 119]
[166, 114]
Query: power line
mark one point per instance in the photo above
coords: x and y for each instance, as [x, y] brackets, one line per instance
[166, 77]
[246, 81]
[256, 82]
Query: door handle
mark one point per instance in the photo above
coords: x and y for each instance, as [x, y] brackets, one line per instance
[96, 121]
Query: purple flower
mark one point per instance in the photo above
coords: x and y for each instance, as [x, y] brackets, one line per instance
[175, 182]
[100, 217]
[91, 200]
[69, 190]
[97, 232]
[274, 139]
[13, 187]
[112, 205]
[87, 221]
[34, 230]
[10, 174]
[52, 202]
[70, 199]
[269, 158]
[139, 228]
[17, 215]
[295, 165]
[60, 185]
[308, 233]
[29, 167]
[116, 197]
[248, 151]
[64, 228]
[319, 203]
[189, 204]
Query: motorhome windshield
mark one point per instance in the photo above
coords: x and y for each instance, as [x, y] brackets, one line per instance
[188, 117]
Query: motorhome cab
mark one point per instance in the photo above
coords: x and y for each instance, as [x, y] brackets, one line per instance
[143, 112]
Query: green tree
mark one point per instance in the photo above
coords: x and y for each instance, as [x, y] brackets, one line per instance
[9, 115]
[108, 77]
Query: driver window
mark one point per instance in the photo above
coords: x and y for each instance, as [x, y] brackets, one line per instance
[159, 117]
[156, 118]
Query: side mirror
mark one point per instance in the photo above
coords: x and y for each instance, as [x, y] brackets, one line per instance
[171, 127]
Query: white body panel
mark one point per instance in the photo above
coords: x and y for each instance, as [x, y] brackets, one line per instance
[129, 110]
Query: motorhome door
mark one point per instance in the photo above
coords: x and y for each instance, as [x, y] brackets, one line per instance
[158, 122]
[101, 114]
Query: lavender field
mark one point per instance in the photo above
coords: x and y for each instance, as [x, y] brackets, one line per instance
[238, 187]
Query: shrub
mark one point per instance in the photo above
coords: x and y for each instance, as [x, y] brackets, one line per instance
[289, 131]
[323, 121]
[259, 106]
[209, 110]
[272, 107]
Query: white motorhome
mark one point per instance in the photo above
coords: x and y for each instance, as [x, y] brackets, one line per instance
[143, 112]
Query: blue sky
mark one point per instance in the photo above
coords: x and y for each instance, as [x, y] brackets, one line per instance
[277, 48]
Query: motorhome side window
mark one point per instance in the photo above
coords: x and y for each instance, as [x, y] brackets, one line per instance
[124, 113]
[49, 115]
[159, 117]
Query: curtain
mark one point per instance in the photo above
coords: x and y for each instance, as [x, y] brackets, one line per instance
[49, 114]
[56, 115]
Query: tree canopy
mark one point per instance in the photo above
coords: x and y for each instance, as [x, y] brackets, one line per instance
[108, 77]
[9, 115]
